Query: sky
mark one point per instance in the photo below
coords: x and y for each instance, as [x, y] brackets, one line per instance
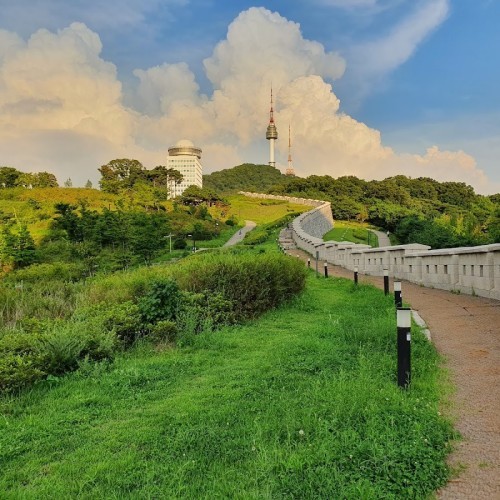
[371, 88]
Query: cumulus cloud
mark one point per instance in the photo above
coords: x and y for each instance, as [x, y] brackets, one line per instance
[62, 108]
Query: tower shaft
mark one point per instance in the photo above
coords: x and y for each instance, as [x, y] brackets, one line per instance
[272, 133]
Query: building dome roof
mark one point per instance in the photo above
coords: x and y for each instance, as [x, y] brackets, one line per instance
[184, 143]
[184, 148]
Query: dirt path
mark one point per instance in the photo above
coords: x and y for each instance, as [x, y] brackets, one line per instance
[466, 331]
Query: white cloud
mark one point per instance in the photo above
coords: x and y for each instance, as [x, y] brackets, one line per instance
[62, 108]
[370, 62]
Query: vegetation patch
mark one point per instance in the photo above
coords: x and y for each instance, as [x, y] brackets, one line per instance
[83, 321]
[354, 232]
[301, 403]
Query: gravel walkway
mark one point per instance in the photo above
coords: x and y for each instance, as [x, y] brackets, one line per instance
[466, 331]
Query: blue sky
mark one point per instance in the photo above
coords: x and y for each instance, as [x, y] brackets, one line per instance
[423, 73]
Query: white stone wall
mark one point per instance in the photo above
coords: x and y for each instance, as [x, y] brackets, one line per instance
[470, 270]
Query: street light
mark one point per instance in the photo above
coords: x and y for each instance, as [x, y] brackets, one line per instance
[194, 242]
[170, 237]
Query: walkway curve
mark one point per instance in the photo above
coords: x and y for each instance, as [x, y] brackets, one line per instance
[465, 331]
[240, 234]
[383, 239]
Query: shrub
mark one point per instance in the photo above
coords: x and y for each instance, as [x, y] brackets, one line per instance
[163, 331]
[17, 371]
[160, 302]
[252, 283]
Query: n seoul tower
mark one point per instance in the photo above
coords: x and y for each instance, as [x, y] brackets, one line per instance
[271, 134]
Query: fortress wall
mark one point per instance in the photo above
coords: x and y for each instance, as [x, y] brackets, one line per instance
[470, 270]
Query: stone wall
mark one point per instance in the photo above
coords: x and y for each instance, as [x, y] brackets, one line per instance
[471, 270]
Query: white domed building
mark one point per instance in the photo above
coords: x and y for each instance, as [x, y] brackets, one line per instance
[185, 158]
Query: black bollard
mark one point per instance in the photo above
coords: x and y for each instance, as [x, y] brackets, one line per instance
[386, 281]
[326, 270]
[404, 346]
[317, 258]
[398, 298]
[355, 275]
[309, 263]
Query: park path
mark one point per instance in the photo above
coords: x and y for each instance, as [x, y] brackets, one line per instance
[466, 332]
[240, 234]
[383, 239]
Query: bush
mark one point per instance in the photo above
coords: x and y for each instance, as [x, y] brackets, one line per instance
[163, 331]
[160, 302]
[252, 283]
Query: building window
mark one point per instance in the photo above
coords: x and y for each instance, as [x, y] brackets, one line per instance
[436, 269]
[464, 270]
[445, 269]
[427, 269]
[481, 271]
[411, 267]
[472, 270]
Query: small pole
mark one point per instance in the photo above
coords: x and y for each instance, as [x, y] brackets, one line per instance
[309, 263]
[355, 275]
[317, 258]
[398, 299]
[326, 270]
[404, 346]
[386, 281]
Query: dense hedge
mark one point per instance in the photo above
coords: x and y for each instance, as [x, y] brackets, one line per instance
[252, 282]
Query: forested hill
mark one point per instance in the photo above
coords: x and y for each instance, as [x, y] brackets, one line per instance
[246, 177]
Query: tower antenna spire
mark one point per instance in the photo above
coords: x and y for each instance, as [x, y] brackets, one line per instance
[289, 171]
[272, 133]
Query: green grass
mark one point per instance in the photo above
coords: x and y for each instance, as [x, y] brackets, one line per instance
[301, 403]
[261, 211]
[354, 232]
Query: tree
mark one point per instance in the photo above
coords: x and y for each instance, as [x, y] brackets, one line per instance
[121, 174]
[68, 182]
[88, 184]
[19, 248]
[44, 180]
[8, 177]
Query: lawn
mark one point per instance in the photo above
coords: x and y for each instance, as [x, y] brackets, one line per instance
[354, 232]
[261, 211]
[301, 403]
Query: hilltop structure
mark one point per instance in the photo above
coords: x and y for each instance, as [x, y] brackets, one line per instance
[185, 158]
[271, 134]
[289, 170]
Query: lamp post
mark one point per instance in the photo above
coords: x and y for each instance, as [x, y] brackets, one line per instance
[194, 242]
[169, 236]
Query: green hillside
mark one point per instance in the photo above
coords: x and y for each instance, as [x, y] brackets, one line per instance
[246, 177]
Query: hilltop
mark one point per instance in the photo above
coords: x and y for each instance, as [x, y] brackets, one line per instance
[245, 177]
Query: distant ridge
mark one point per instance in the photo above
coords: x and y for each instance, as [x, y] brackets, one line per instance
[245, 177]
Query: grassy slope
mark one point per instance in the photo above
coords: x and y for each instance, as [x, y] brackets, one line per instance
[354, 232]
[261, 211]
[300, 403]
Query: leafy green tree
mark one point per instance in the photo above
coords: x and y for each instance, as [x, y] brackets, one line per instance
[68, 182]
[121, 174]
[88, 184]
[8, 177]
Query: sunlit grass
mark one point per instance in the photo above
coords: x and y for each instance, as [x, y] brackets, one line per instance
[355, 232]
[302, 403]
[261, 211]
